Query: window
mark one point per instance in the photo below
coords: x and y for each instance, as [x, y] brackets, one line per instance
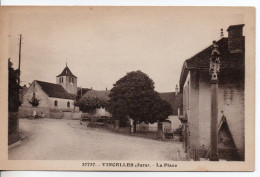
[55, 103]
[62, 79]
[72, 80]
[68, 104]
[33, 95]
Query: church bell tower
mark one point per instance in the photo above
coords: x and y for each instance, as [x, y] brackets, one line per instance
[67, 80]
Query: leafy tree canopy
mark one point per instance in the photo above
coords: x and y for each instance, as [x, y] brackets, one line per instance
[89, 104]
[133, 95]
[34, 101]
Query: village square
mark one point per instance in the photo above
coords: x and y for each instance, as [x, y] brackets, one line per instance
[64, 115]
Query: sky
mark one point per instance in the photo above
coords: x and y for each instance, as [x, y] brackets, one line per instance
[102, 44]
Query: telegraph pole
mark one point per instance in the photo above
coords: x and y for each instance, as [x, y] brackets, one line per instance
[19, 66]
[214, 70]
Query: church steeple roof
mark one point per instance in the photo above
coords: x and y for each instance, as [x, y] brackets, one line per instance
[66, 72]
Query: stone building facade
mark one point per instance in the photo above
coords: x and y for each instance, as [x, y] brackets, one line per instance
[196, 88]
[52, 97]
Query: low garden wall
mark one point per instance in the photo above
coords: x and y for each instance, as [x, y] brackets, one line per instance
[27, 112]
[56, 115]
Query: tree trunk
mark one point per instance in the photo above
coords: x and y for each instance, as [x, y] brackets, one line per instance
[134, 126]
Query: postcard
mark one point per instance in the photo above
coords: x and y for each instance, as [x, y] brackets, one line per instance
[127, 88]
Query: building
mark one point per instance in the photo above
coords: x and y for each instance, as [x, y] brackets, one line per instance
[196, 89]
[54, 99]
[175, 100]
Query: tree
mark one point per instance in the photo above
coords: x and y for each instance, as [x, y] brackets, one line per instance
[13, 88]
[133, 95]
[34, 101]
[13, 100]
[89, 104]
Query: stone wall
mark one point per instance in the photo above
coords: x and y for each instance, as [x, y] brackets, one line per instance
[26, 112]
[56, 115]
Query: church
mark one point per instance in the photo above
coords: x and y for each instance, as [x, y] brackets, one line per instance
[55, 100]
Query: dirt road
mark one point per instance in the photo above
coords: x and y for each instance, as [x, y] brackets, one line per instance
[57, 139]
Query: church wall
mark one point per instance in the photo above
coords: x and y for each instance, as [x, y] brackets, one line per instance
[71, 87]
[26, 109]
[67, 85]
[63, 84]
[39, 94]
[62, 103]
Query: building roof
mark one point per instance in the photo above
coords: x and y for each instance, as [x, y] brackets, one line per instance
[82, 91]
[201, 61]
[173, 99]
[55, 90]
[97, 93]
[66, 72]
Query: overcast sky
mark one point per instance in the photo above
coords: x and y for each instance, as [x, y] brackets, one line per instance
[102, 44]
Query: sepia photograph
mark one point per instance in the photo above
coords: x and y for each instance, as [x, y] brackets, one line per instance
[127, 88]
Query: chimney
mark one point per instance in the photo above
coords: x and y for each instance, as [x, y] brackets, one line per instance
[235, 38]
[176, 90]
